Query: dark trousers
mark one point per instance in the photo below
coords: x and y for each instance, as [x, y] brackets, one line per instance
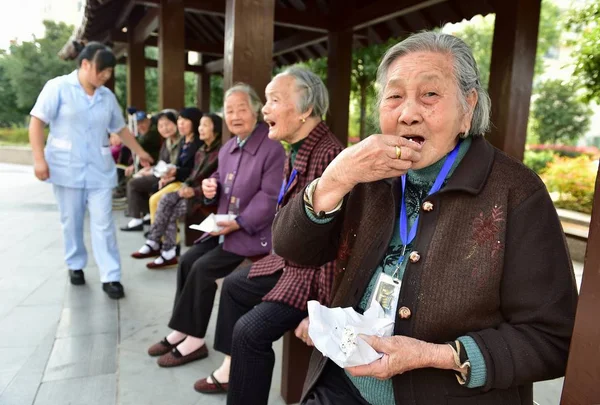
[333, 388]
[139, 190]
[197, 273]
[246, 329]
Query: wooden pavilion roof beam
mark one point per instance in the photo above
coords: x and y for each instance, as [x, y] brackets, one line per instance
[125, 12]
[154, 63]
[147, 25]
[286, 17]
[190, 44]
[383, 10]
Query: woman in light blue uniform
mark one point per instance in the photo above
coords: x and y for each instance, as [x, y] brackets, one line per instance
[77, 160]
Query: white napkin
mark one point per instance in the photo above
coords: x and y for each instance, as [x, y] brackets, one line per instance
[161, 168]
[210, 222]
[334, 331]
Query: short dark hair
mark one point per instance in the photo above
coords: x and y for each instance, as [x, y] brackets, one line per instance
[99, 54]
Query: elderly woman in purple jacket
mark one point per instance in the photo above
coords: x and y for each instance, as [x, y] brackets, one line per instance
[246, 184]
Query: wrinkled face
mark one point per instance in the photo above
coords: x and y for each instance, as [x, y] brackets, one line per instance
[280, 111]
[143, 126]
[206, 130]
[239, 117]
[184, 126]
[166, 127]
[421, 102]
[93, 76]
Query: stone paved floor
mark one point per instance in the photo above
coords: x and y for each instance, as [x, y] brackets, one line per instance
[72, 345]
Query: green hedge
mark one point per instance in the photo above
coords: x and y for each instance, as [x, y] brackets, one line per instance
[17, 136]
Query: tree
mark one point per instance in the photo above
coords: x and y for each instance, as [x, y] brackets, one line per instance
[29, 65]
[480, 33]
[151, 81]
[586, 22]
[10, 114]
[558, 115]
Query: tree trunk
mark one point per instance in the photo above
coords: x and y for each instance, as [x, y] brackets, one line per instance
[363, 108]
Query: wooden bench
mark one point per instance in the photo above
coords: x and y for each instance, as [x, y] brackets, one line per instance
[295, 353]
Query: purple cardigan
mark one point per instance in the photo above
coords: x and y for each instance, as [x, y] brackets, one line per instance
[253, 175]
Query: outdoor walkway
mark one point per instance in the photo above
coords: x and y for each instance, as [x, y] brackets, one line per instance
[62, 345]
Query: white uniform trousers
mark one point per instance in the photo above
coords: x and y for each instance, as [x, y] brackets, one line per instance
[72, 203]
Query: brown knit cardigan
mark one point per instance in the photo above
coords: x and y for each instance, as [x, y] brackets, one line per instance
[493, 265]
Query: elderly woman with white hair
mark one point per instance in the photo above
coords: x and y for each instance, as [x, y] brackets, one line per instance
[459, 243]
[261, 302]
[245, 184]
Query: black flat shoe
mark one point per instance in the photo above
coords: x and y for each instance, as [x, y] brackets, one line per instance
[146, 222]
[113, 289]
[136, 228]
[77, 277]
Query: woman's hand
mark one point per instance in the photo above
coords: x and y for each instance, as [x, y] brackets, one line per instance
[301, 332]
[171, 172]
[209, 188]
[129, 170]
[186, 192]
[372, 159]
[145, 158]
[402, 354]
[164, 181]
[41, 170]
[146, 171]
[227, 227]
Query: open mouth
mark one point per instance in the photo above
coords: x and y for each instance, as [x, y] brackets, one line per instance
[415, 138]
[271, 124]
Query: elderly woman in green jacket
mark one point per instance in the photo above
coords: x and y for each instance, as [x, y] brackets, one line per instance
[482, 292]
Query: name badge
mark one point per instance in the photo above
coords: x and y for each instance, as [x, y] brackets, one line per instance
[229, 182]
[387, 294]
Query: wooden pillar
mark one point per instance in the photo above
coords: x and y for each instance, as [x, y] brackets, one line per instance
[511, 72]
[583, 369]
[171, 51]
[339, 69]
[203, 91]
[248, 54]
[136, 72]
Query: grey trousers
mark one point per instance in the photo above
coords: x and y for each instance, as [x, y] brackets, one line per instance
[139, 191]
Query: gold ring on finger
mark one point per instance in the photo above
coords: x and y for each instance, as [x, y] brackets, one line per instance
[398, 152]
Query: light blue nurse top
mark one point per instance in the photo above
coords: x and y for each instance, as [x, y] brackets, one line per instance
[77, 149]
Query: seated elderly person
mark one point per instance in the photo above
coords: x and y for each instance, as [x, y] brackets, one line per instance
[483, 288]
[188, 126]
[148, 137]
[175, 204]
[246, 184]
[145, 183]
[261, 302]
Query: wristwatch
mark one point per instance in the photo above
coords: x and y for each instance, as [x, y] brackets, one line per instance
[461, 361]
[308, 201]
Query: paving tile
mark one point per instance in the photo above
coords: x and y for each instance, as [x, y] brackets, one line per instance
[51, 292]
[27, 326]
[22, 390]
[12, 361]
[89, 320]
[24, 386]
[141, 381]
[548, 392]
[94, 390]
[82, 356]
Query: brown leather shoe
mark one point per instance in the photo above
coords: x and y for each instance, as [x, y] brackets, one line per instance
[164, 265]
[152, 253]
[174, 358]
[216, 387]
[162, 347]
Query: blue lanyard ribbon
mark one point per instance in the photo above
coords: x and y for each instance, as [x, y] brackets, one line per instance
[286, 187]
[407, 236]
